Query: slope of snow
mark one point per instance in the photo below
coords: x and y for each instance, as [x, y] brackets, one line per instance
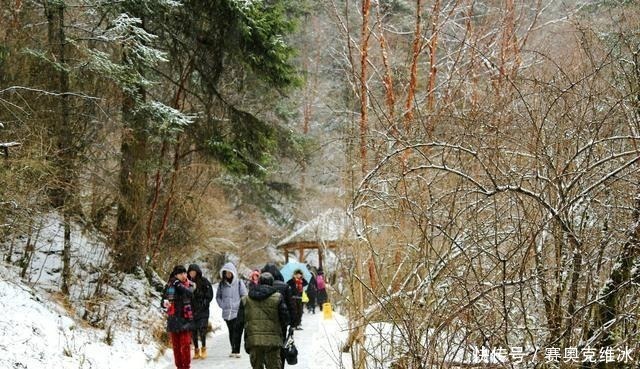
[36, 333]
[108, 320]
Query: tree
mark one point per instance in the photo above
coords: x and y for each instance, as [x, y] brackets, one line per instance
[66, 152]
[140, 117]
[205, 44]
[517, 165]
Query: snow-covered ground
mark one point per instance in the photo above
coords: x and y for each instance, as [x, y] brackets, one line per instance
[318, 345]
[38, 333]
[110, 320]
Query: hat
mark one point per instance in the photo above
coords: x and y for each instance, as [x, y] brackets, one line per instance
[178, 269]
[271, 268]
[266, 278]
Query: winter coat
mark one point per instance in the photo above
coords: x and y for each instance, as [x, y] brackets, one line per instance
[297, 294]
[229, 293]
[265, 316]
[179, 311]
[202, 297]
[312, 291]
[283, 288]
[321, 295]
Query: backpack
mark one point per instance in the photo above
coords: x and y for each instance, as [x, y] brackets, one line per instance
[320, 282]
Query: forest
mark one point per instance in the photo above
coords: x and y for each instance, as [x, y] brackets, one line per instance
[485, 151]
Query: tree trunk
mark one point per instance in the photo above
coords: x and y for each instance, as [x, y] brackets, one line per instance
[415, 55]
[63, 133]
[607, 309]
[129, 236]
[66, 254]
[364, 92]
[433, 47]
[390, 99]
[413, 78]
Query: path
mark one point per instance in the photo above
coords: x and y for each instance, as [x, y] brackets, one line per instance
[318, 346]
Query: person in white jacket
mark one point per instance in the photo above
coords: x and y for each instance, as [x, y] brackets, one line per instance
[230, 292]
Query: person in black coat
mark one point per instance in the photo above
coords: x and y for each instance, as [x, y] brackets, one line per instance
[287, 295]
[177, 296]
[312, 291]
[202, 297]
[297, 284]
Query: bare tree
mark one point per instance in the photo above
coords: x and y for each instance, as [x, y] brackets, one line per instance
[520, 172]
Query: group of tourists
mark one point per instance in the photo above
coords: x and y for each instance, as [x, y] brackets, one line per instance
[264, 307]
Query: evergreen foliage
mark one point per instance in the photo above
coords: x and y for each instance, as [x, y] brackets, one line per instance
[227, 41]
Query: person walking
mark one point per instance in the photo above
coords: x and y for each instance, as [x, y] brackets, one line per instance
[312, 292]
[177, 296]
[297, 284]
[285, 291]
[321, 285]
[202, 297]
[280, 285]
[265, 316]
[230, 291]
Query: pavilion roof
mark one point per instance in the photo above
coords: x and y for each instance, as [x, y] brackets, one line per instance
[331, 226]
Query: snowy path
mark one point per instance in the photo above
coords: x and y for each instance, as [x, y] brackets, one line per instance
[318, 346]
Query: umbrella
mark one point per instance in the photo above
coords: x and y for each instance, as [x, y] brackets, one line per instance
[290, 267]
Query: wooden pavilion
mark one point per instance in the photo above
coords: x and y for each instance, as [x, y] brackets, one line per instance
[330, 230]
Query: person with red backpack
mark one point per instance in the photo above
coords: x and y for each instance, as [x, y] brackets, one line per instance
[321, 289]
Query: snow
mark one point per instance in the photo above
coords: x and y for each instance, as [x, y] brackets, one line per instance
[42, 329]
[332, 225]
[36, 333]
[98, 326]
[318, 345]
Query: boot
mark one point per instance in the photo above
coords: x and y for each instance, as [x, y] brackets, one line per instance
[203, 353]
[196, 353]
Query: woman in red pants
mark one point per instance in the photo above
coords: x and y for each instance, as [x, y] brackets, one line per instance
[177, 300]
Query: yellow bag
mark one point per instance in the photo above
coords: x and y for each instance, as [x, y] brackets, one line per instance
[305, 298]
